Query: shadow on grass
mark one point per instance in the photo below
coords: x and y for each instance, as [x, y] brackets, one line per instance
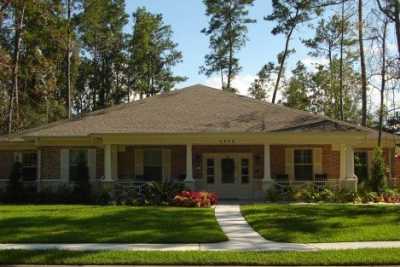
[324, 223]
[110, 225]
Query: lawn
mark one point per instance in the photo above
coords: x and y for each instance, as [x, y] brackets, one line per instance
[337, 257]
[324, 223]
[111, 224]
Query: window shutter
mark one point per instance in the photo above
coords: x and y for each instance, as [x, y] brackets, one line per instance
[64, 164]
[166, 164]
[289, 163]
[92, 163]
[139, 162]
[317, 160]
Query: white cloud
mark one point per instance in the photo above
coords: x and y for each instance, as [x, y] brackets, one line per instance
[241, 83]
[312, 62]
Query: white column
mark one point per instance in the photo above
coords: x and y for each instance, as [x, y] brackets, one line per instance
[343, 156]
[267, 162]
[189, 164]
[108, 159]
[350, 163]
[347, 176]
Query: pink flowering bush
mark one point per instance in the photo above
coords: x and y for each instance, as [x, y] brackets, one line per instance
[195, 199]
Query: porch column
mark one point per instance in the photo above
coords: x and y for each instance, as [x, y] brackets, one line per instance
[348, 179]
[267, 181]
[189, 181]
[110, 163]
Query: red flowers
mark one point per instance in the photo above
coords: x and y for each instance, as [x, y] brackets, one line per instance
[195, 199]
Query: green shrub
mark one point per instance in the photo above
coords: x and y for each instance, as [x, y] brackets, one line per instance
[378, 176]
[15, 188]
[160, 193]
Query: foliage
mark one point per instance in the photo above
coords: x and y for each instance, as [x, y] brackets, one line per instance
[152, 54]
[227, 32]
[15, 188]
[378, 175]
[159, 193]
[195, 199]
[258, 88]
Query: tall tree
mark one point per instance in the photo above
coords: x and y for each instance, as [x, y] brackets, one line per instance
[391, 8]
[288, 14]
[227, 31]
[360, 27]
[333, 39]
[258, 88]
[101, 29]
[297, 91]
[152, 54]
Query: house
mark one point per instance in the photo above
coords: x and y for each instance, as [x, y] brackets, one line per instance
[209, 139]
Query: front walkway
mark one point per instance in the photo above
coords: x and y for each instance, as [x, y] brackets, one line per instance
[241, 237]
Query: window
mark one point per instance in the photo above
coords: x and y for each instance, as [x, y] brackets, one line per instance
[29, 166]
[228, 171]
[78, 164]
[245, 171]
[361, 165]
[303, 167]
[210, 171]
[152, 165]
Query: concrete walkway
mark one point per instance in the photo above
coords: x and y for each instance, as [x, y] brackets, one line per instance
[241, 237]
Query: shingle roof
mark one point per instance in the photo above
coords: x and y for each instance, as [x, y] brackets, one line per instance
[195, 109]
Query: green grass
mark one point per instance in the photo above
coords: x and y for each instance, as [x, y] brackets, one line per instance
[324, 223]
[338, 257]
[111, 224]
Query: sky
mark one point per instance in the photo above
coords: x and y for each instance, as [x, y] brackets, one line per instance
[187, 18]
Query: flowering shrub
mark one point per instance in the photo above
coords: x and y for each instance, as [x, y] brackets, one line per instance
[195, 199]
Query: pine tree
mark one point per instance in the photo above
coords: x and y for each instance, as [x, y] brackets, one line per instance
[152, 54]
[258, 88]
[101, 29]
[227, 31]
[289, 14]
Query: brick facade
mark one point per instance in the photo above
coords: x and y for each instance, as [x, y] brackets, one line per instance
[6, 162]
[51, 163]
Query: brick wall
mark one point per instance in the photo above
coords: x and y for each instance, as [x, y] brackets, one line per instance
[6, 163]
[51, 163]
[330, 160]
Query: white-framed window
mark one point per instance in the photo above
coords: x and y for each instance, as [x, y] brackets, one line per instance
[303, 164]
[245, 170]
[210, 165]
[78, 164]
[29, 165]
[152, 165]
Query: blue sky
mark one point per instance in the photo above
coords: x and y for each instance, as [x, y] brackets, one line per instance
[187, 18]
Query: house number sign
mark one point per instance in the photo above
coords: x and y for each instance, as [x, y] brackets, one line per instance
[227, 141]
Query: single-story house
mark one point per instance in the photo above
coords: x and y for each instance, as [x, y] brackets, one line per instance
[207, 138]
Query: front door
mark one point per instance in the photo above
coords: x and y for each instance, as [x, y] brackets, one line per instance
[228, 175]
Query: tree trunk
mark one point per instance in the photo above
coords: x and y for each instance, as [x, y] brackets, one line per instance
[397, 24]
[69, 60]
[282, 64]
[19, 19]
[341, 108]
[383, 81]
[362, 65]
